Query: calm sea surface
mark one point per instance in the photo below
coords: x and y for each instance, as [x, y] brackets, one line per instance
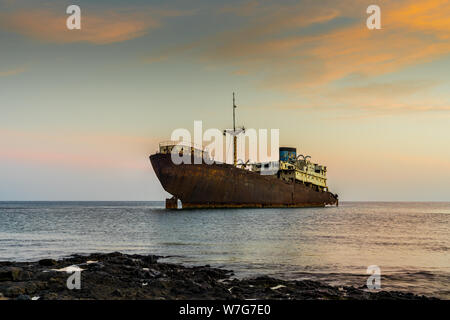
[410, 242]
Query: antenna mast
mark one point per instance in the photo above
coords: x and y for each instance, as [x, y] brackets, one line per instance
[234, 117]
[234, 132]
[235, 135]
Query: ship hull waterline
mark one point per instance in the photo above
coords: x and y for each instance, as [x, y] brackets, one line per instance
[225, 186]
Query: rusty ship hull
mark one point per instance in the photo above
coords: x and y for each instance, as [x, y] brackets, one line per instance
[225, 186]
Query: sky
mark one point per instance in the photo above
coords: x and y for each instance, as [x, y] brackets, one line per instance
[81, 110]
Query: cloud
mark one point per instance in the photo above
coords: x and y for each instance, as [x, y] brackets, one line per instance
[381, 97]
[12, 72]
[299, 61]
[249, 42]
[296, 47]
[358, 101]
[96, 27]
[306, 48]
[429, 17]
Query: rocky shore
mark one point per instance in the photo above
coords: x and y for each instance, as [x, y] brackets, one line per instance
[121, 276]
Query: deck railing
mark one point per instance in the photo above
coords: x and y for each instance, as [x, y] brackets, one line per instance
[170, 143]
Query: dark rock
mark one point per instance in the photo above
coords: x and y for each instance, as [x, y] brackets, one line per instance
[23, 297]
[47, 262]
[117, 293]
[93, 266]
[15, 291]
[120, 276]
[49, 296]
[153, 274]
[35, 286]
[150, 259]
[114, 254]
[13, 274]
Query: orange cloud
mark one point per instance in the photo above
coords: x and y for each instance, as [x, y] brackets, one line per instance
[98, 28]
[430, 17]
[12, 72]
[271, 46]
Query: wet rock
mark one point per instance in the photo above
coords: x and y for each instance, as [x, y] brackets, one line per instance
[93, 266]
[114, 254]
[120, 276]
[49, 296]
[35, 286]
[152, 274]
[150, 259]
[117, 293]
[47, 262]
[15, 291]
[23, 297]
[8, 273]
[13, 274]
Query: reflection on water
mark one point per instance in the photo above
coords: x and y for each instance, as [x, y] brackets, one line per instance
[409, 241]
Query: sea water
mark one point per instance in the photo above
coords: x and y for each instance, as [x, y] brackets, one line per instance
[408, 241]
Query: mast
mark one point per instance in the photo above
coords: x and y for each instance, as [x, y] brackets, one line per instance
[234, 132]
[234, 136]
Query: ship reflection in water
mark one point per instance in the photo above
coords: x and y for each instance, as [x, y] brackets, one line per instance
[409, 241]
